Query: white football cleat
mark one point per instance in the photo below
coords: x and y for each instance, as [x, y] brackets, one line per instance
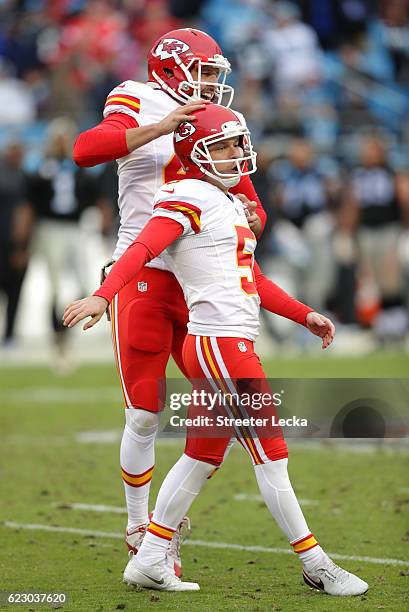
[173, 556]
[159, 576]
[134, 537]
[328, 577]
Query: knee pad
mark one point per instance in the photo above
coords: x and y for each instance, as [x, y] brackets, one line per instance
[141, 422]
[277, 474]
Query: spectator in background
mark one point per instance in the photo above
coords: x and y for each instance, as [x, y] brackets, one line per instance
[303, 188]
[365, 73]
[295, 55]
[239, 25]
[306, 191]
[20, 46]
[380, 198]
[231, 22]
[336, 20]
[297, 76]
[17, 106]
[59, 193]
[14, 232]
[87, 53]
[19, 38]
[96, 34]
[152, 21]
[393, 31]
[186, 9]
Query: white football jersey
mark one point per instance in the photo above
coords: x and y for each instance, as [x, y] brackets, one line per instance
[213, 259]
[143, 171]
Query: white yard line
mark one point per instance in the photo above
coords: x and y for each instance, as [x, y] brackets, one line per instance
[99, 436]
[113, 436]
[245, 497]
[91, 507]
[122, 510]
[55, 529]
[202, 543]
[393, 447]
[62, 395]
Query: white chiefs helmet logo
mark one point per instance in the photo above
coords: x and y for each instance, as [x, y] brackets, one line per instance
[184, 131]
[169, 46]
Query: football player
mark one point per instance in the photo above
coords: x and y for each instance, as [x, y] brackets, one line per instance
[210, 247]
[147, 324]
[186, 68]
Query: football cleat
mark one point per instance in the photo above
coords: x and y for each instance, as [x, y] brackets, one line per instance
[159, 576]
[173, 556]
[328, 577]
[134, 537]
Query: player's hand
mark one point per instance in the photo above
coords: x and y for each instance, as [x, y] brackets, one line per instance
[180, 114]
[253, 219]
[92, 306]
[322, 327]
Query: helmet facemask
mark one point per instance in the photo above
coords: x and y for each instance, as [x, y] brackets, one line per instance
[245, 165]
[190, 89]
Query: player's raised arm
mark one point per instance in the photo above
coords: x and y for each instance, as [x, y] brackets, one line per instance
[119, 134]
[157, 234]
[138, 137]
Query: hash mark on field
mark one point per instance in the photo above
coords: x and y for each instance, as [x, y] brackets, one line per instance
[220, 545]
[258, 498]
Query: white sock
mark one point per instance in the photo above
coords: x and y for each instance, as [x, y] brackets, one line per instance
[137, 456]
[310, 557]
[179, 489]
[279, 496]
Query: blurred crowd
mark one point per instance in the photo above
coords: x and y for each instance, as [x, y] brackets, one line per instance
[324, 86]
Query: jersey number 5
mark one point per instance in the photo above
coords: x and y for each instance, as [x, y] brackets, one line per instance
[246, 243]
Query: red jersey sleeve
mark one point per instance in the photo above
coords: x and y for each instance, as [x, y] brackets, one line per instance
[104, 142]
[157, 234]
[276, 300]
[247, 188]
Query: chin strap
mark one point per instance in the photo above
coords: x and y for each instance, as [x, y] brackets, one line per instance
[227, 182]
[230, 182]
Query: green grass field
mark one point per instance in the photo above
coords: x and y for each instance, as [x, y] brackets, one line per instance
[356, 504]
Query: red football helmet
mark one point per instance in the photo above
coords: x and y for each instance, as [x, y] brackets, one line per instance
[213, 124]
[174, 55]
